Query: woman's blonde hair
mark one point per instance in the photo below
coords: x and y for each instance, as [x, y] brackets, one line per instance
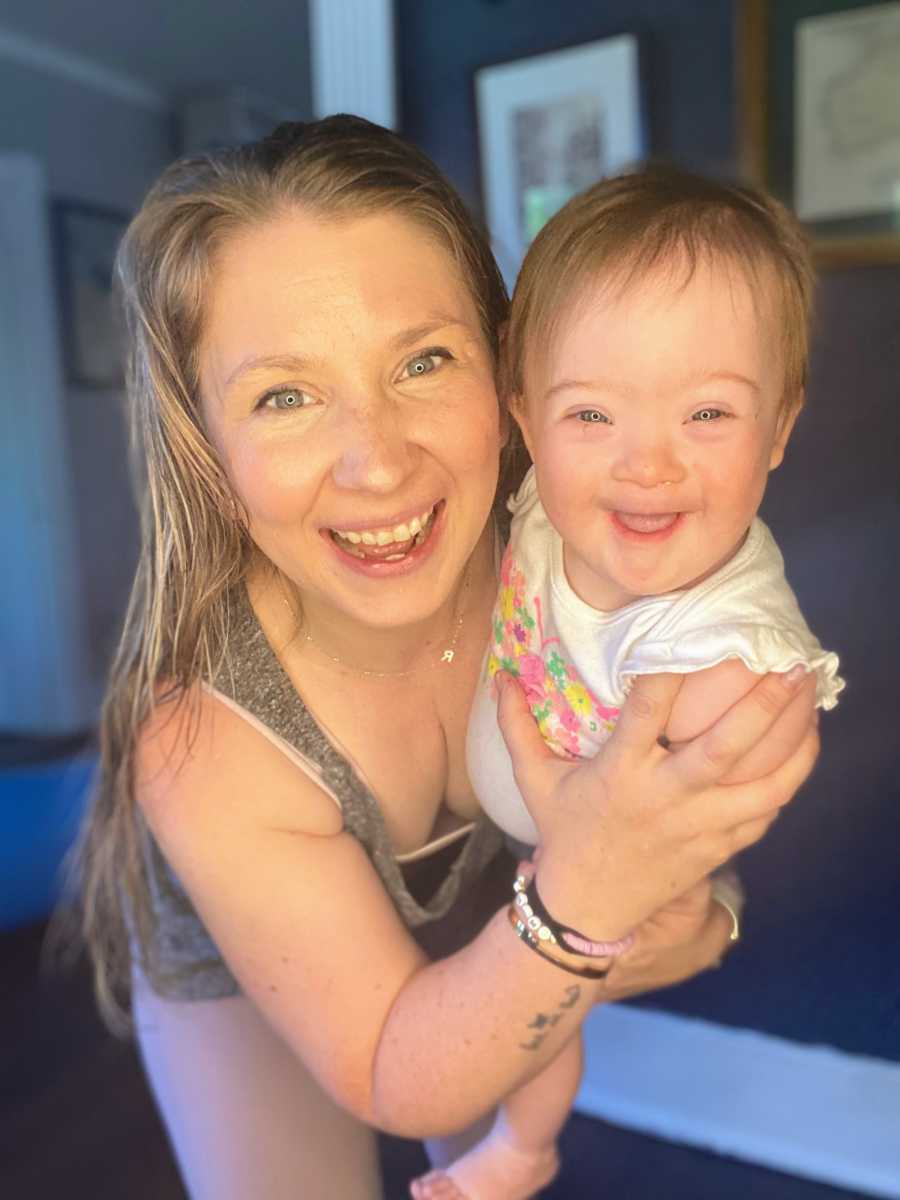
[195, 547]
[660, 217]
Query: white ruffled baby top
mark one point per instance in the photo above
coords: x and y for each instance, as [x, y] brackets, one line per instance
[576, 663]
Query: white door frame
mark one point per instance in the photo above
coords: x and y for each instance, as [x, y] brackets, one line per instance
[43, 675]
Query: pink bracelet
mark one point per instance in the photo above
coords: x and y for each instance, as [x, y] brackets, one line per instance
[545, 928]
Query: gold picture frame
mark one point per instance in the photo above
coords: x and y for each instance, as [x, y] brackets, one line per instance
[794, 57]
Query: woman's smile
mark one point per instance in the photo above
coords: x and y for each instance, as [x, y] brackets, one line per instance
[390, 549]
[350, 393]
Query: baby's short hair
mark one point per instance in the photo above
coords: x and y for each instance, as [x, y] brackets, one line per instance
[661, 217]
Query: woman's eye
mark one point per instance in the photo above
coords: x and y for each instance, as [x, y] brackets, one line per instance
[424, 364]
[591, 416]
[286, 399]
[708, 414]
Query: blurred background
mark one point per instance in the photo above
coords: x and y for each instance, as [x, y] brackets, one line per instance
[792, 1051]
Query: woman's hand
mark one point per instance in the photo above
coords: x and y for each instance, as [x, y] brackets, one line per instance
[688, 935]
[625, 833]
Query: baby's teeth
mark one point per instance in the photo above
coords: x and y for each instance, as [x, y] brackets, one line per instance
[369, 539]
[415, 526]
[352, 537]
[383, 537]
[402, 533]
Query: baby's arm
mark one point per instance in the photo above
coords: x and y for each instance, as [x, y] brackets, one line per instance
[706, 695]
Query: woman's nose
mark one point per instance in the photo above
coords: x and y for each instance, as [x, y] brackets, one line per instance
[648, 459]
[375, 454]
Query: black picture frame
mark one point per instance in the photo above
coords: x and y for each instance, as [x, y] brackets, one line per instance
[86, 238]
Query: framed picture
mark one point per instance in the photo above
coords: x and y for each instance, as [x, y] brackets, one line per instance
[86, 241]
[819, 84]
[548, 126]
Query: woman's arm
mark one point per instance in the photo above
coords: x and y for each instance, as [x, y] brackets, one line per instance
[304, 923]
[416, 1047]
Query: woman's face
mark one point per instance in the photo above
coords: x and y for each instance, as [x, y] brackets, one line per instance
[348, 389]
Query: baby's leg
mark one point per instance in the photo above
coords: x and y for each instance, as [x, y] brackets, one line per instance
[244, 1116]
[518, 1156]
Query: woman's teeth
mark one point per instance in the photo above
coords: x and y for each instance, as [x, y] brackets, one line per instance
[401, 538]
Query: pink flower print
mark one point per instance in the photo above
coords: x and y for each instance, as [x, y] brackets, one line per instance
[531, 670]
[568, 743]
[569, 720]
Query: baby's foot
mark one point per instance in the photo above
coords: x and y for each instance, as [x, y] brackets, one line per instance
[493, 1170]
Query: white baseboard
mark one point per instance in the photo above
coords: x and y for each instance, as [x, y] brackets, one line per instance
[811, 1111]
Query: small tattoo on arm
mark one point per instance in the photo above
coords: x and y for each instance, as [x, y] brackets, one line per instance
[544, 1022]
[534, 1044]
[542, 1019]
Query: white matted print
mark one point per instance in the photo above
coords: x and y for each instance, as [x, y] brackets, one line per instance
[548, 127]
[847, 113]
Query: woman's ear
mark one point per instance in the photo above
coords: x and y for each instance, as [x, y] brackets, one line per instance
[786, 421]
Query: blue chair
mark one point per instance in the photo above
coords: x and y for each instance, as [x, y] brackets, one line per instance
[44, 788]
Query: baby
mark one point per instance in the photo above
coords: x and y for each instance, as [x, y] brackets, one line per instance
[656, 356]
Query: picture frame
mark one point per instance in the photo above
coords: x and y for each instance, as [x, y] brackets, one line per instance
[549, 125]
[819, 119]
[86, 239]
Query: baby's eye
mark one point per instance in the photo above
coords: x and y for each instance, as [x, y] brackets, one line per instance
[286, 399]
[592, 416]
[425, 363]
[708, 414]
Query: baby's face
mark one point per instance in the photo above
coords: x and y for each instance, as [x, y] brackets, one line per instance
[653, 425]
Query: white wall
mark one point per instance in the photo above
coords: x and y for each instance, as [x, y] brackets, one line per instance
[102, 145]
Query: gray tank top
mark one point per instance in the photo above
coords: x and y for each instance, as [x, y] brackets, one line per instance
[184, 962]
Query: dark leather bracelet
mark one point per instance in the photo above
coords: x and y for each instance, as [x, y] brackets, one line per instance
[525, 935]
[533, 912]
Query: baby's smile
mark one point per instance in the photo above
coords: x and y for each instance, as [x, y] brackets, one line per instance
[646, 526]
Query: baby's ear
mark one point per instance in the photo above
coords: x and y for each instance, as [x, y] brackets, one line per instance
[786, 420]
[519, 410]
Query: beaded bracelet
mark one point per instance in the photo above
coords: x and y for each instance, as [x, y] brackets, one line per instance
[525, 935]
[542, 926]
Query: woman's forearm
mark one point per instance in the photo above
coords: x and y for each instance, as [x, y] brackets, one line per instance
[455, 1044]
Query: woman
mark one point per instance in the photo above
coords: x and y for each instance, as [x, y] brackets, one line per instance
[314, 326]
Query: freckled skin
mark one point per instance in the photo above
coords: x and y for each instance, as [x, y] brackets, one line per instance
[369, 430]
[645, 363]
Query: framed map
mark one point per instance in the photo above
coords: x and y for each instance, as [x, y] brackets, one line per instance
[820, 118]
[548, 126]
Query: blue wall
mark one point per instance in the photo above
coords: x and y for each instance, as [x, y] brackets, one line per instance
[687, 69]
[821, 956]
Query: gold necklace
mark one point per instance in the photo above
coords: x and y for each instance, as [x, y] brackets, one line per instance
[447, 655]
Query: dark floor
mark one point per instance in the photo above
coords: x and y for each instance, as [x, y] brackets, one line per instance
[77, 1121]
